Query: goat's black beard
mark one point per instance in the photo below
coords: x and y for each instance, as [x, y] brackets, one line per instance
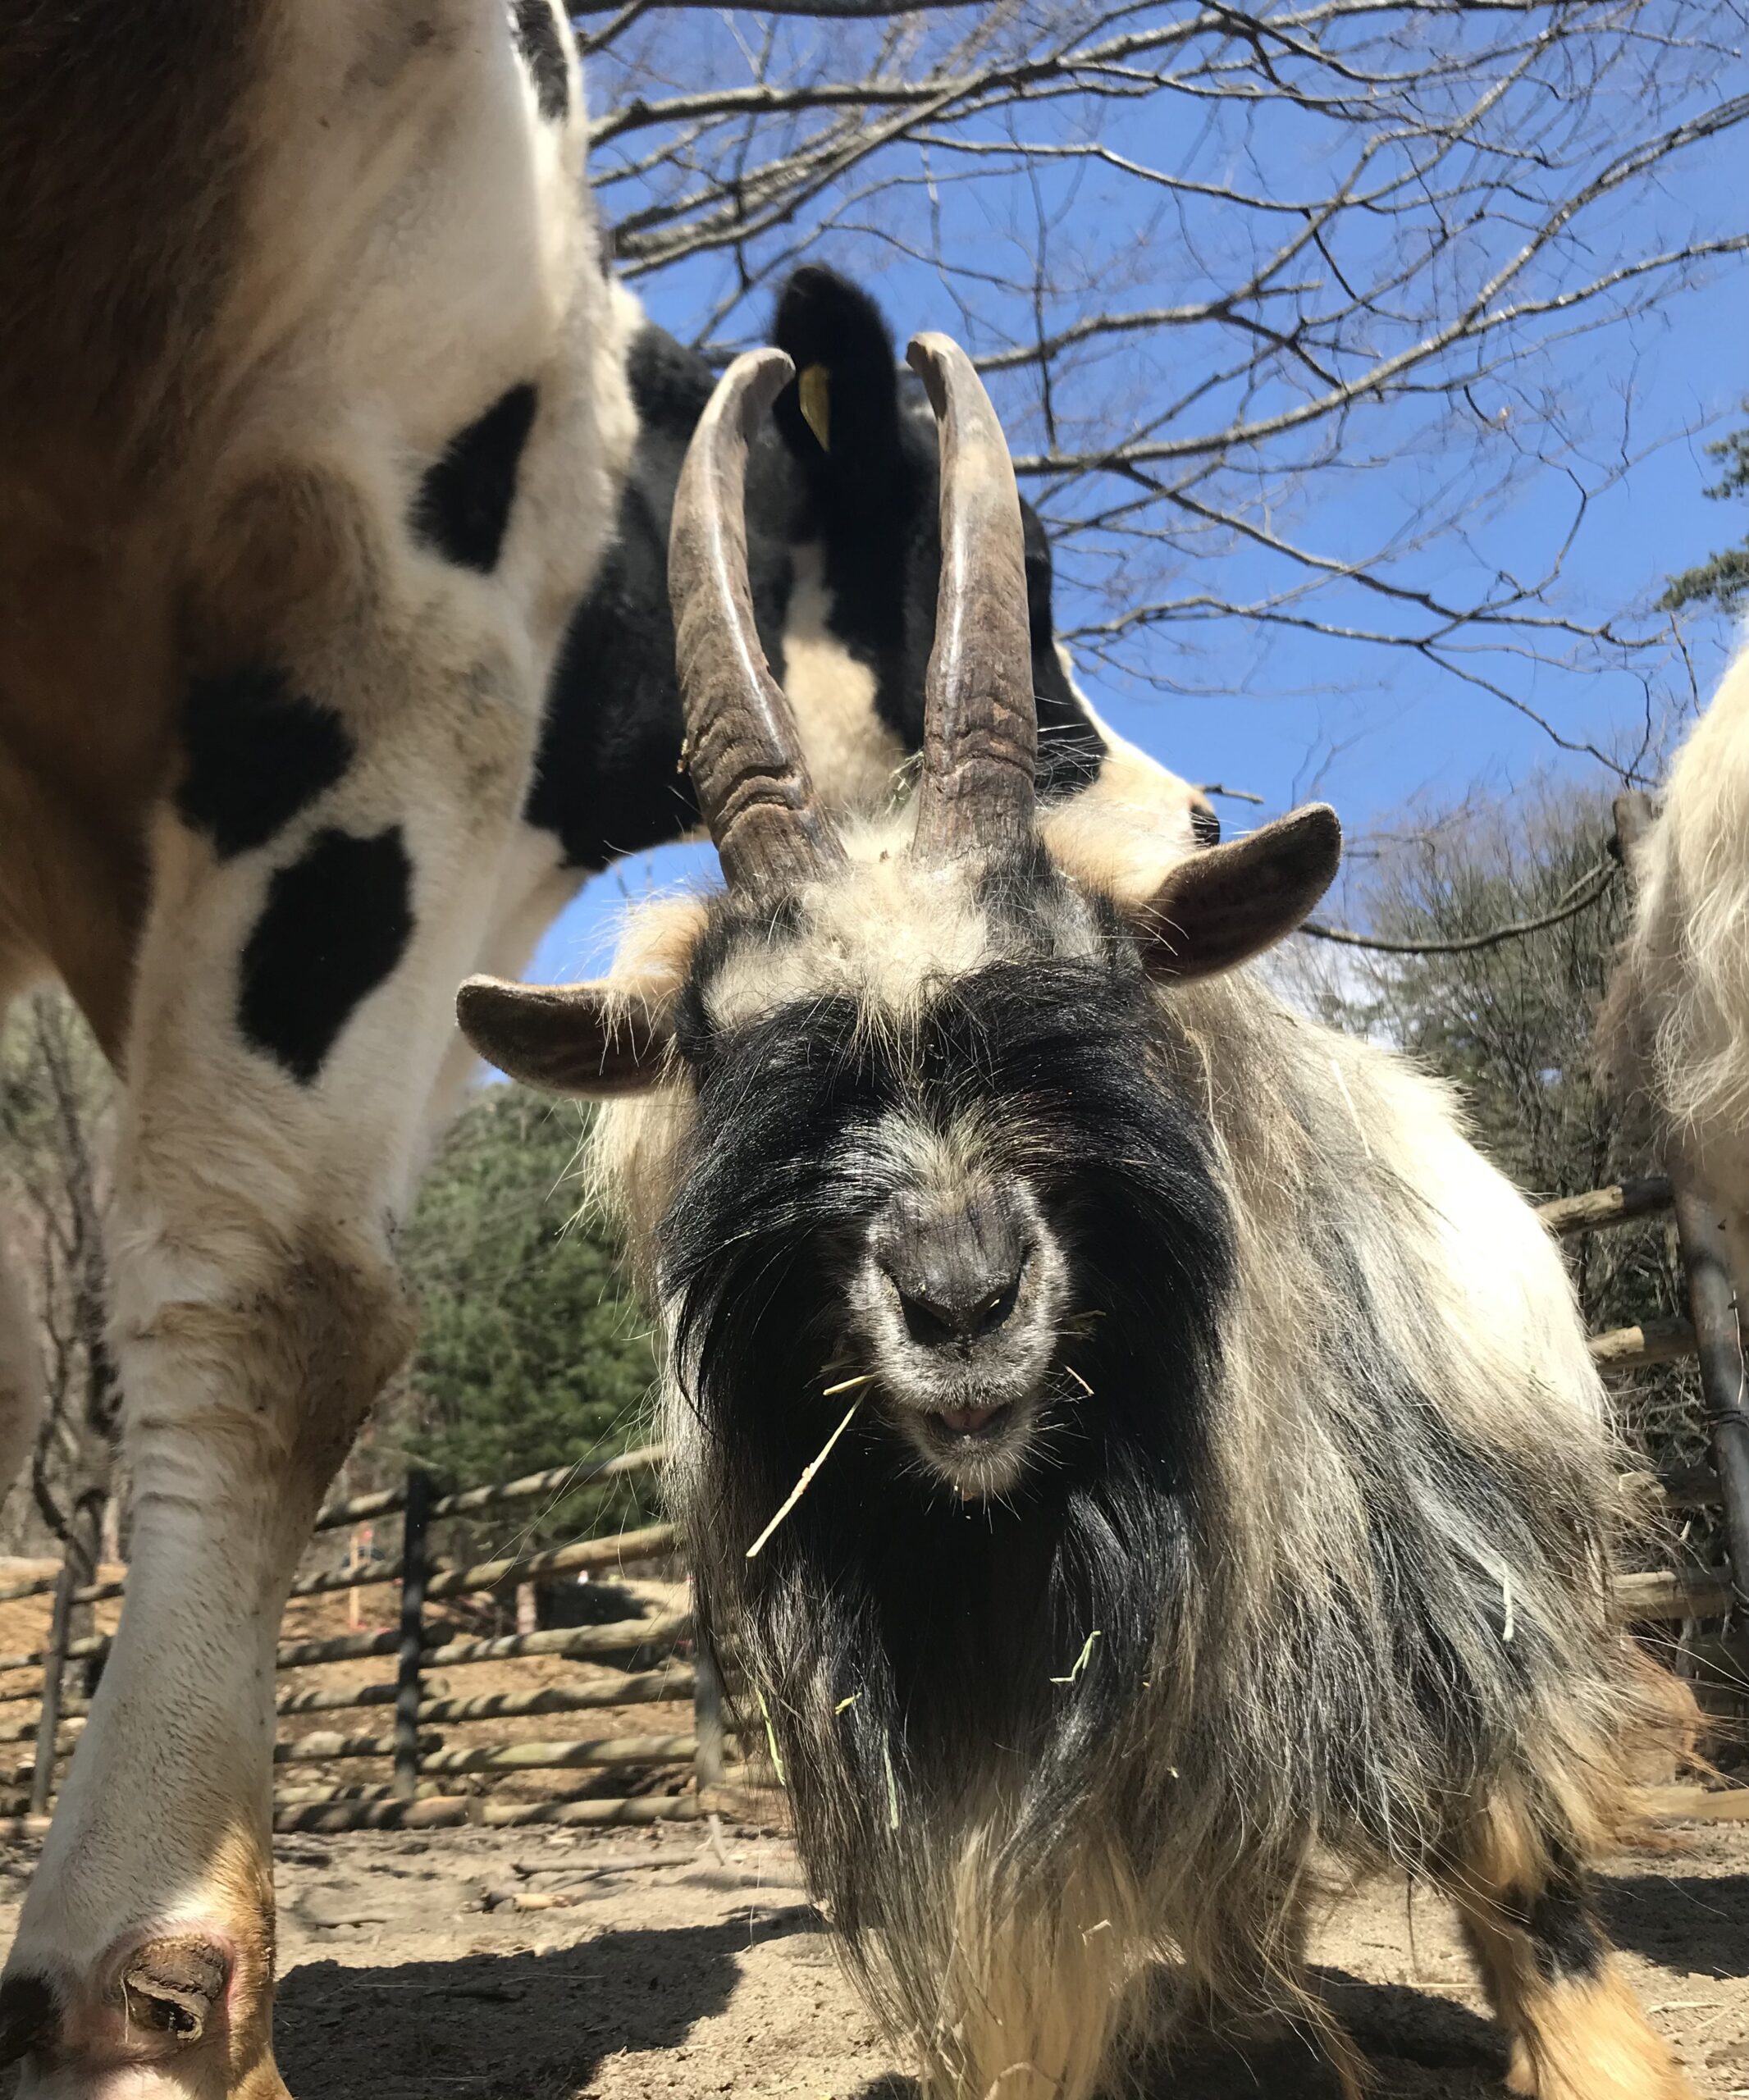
[920, 1660]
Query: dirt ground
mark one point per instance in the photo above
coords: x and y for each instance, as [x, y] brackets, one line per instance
[684, 1961]
[683, 1964]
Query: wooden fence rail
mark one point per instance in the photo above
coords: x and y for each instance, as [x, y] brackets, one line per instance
[1643, 1197]
[624, 1662]
[636, 1661]
[558, 1481]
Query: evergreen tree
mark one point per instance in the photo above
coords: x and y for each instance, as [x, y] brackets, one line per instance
[532, 1353]
[1723, 578]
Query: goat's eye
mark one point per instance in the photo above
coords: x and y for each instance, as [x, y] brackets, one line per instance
[1205, 826]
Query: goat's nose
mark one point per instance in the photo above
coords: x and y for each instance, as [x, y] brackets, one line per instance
[958, 1277]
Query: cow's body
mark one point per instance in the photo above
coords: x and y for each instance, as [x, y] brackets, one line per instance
[317, 419]
[311, 419]
[844, 552]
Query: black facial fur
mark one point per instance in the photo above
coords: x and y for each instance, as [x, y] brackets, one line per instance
[947, 1625]
[257, 753]
[463, 508]
[537, 40]
[335, 923]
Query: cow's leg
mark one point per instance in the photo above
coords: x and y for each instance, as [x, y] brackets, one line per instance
[1577, 2030]
[294, 1003]
[534, 886]
[362, 711]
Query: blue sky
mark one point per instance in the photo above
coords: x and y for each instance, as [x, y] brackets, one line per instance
[1374, 731]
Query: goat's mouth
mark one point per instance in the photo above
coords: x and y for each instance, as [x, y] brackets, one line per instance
[978, 1446]
[957, 1428]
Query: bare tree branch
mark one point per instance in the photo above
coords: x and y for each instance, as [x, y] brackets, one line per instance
[1199, 333]
[1590, 888]
[835, 10]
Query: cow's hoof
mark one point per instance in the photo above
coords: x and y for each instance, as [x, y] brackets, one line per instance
[159, 2016]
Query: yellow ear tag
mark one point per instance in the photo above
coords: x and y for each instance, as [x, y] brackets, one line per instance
[815, 387]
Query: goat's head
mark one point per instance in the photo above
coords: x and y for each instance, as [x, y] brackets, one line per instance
[925, 1137]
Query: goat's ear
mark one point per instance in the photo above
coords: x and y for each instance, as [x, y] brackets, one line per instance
[1221, 906]
[596, 1040]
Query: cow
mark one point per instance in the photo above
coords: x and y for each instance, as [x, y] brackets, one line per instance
[328, 453]
[843, 553]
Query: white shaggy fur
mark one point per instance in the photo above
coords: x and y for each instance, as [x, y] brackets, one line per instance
[1676, 1025]
[1346, 1170]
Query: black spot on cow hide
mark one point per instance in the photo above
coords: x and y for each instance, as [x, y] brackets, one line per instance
[463, 508]
[537, 40]
[608, 779]
[335, 923]
[257, 753]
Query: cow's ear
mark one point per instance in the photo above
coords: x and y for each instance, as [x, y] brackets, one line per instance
[598, 1041]
[839, 415]
[1219, 907]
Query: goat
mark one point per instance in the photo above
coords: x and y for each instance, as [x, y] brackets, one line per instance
[1208, 1490]
[1673, 1034]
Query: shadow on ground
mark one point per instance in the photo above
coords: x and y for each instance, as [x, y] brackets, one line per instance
[1697, 1927]
[502, 2027]
[1417, 2046]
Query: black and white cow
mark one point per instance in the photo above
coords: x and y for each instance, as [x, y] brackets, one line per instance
[319, 419]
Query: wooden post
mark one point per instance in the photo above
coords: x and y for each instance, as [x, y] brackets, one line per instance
[54, 1666]
[1712, 1302]
[415, 1560]
[707, 1719]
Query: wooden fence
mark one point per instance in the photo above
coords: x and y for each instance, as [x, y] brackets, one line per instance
[646, 1658]
[641, 1659]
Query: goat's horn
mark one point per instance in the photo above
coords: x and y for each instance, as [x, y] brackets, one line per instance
[980, 732]
[743, 752]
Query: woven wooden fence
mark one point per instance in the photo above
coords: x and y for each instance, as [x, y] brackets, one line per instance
[643, 1660]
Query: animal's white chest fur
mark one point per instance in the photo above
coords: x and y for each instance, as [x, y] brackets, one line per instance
[852, 754]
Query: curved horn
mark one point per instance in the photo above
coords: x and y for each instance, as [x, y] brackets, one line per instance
[980, 734]
[742, 749]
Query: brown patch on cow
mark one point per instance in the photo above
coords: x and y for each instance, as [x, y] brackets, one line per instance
[121, 179]
[294, 551]
[123, 172]
[73, 872]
